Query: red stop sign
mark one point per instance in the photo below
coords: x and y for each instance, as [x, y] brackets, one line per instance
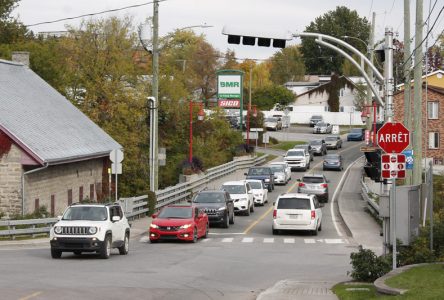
[393, 137]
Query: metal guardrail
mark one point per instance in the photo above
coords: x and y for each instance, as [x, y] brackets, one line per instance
[136, 207]
[371, 203]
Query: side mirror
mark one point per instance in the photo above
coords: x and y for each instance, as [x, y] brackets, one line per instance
[274, 203]
[154, 215]
[115, 218]
[250, 192]
[189, 201]
[59, 218]
[298, 179]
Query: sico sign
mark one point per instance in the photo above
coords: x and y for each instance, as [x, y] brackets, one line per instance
[229, 86]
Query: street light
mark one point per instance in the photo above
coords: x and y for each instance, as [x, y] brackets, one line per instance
[364, 117]
[200, 117]
[356, 38]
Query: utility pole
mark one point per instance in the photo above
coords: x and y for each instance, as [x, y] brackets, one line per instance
[407, 78]
[155, 92]
[370, 54]
[417, 100]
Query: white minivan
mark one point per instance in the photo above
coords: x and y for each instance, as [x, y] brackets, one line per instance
[297, 211]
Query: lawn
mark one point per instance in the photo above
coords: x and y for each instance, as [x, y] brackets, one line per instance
[287, 145]
[269, 157]
[425, 282]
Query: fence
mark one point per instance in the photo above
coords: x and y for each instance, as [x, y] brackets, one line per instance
[365, 191]
[136, 207]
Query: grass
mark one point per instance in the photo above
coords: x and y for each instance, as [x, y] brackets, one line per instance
[425, 282]
[287, 145]
[269, 157]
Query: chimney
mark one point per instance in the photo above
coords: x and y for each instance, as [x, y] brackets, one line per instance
[21, 57]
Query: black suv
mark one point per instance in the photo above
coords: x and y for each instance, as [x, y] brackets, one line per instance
[262, 173]
[218, 205]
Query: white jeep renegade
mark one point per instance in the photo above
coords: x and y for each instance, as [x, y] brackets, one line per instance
[90, 228]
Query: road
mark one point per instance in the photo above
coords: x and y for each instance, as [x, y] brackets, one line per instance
[235, 263]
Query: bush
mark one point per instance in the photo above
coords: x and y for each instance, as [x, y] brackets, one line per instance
[196, 166]
[368, 267]
[417, 252]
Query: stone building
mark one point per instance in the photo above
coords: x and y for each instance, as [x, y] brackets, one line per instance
[51, 154]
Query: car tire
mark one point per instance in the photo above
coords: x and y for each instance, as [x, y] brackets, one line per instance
[77, 252]
[207, 229]
[308, 167]
[154, 241]
[247, 211]
[195, 236]
[232, 218]
[275, 231]
[269, 188]
[226, 222]
[105, 250]
[320, 227]
[56, 253]
[252, 208]
[314, 232]
[123, 250]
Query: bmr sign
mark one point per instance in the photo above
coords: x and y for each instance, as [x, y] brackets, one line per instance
[393, 137]
[229, 86]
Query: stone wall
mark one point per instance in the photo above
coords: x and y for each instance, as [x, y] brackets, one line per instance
[10, 182]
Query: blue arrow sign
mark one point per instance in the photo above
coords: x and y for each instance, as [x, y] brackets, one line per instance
[408, 159]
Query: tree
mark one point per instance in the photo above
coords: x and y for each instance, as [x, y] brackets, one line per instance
[11, 29]
[434, 59]
[348, 69]
[267, 97]
[230, 62]
[337, 23]
[287, 65]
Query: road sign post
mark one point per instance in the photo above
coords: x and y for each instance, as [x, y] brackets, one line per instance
[116, 156]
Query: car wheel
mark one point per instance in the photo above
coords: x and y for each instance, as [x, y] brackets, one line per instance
[207, 229]
[314, 232]
[56, 253]
[269, 188]
[77, 252]
[195, 237]
[232, 218]
[275, 231]
[247, 211]
[252, 208]
[225, 224]
[320, 227]
[105, 250]
[123, 250]
[154, 241]
[308, 167]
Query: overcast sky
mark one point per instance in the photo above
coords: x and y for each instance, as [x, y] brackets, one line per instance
[277, 15]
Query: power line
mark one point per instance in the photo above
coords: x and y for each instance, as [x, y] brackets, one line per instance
[93, 14]
[437, 39]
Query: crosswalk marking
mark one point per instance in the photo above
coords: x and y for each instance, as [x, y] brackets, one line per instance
[288, 241]
[206, 240]
[257, 240]
[334, 241]
[309, 241]
[227, 240]
[247, 240]
[268, 240]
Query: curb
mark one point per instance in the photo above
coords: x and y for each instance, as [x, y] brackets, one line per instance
[381, 287]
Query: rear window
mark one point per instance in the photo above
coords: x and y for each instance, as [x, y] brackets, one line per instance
[356, 130]
[234, 189]
[293, 203]
[256, 185]
[312, 179]
[331, 138]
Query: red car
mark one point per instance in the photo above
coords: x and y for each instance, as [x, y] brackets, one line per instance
[176, 222]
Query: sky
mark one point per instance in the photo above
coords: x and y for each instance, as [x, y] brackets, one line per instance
[251, 15]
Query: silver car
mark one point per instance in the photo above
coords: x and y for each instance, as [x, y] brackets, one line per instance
[319, 147]
[315, 184]
[280, 174]
[322, 127]
[333, 142]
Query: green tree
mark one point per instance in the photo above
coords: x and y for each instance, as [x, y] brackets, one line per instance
[287, 65]
[11, 29]
[338, 23]
[266, 98]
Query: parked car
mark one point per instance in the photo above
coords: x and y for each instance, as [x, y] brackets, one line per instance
[315, 184]
[322, 127]
[179, 222]
[333, 161]
[262, 173]
[242, 194]
[285, 120]
[90, 228]
[333, 142]
[218, 205]
[260, 191]
[297, 212]
[297, 159]
[315, 119]
[286, 167]
[280, 174]
[308, 149]
[356, 134]
[319, 147]
[233, 121]
[272, 123]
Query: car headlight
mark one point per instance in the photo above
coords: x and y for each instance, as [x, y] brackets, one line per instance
[267, 180]
[92, 230]
[58, 229]
[154, 226]
[221, 208]
[186, 226]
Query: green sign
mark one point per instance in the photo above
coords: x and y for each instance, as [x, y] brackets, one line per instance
[229, 86]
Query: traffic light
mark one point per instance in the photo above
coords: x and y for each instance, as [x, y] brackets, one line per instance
[372, 167]
[249, 38]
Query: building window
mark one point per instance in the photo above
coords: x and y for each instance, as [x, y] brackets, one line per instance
[432, 110]
[91, 192]
[52, 205]
[36, 205]
[341, 108]
[433, 140]
[69, 197]
[326, 108]
[80, 193]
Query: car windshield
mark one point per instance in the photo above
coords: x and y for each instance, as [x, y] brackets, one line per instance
[234, 189]
[312, 179]
[332, 156]
[296, 153]
[176, 213]
[89, 213]
[316, 117]
[293, 203]
[301, 147]
[277, 168]
[320, 124]
[258, 171]
[356, 130]
[256, 185]
[270, 120]
[331, 138]
[316, 142]
[209, 198]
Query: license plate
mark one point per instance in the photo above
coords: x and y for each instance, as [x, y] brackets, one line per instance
[295, 216]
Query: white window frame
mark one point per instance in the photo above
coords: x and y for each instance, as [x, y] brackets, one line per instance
[433, 140]
[432, 110]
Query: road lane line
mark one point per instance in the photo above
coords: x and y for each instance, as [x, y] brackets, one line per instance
[31, 296]
[309, 241]
[247, 240]
[227, 240]
[226, 233]
[289, 241]
[268, 240]
[334, 241]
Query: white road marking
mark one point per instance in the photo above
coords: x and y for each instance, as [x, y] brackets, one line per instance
[227, 240]
[206, 240]
[247, 240]
[288, 241]
[144, 239]
[226, 233]
[268, 240]
[334, 241]
[309, 241]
